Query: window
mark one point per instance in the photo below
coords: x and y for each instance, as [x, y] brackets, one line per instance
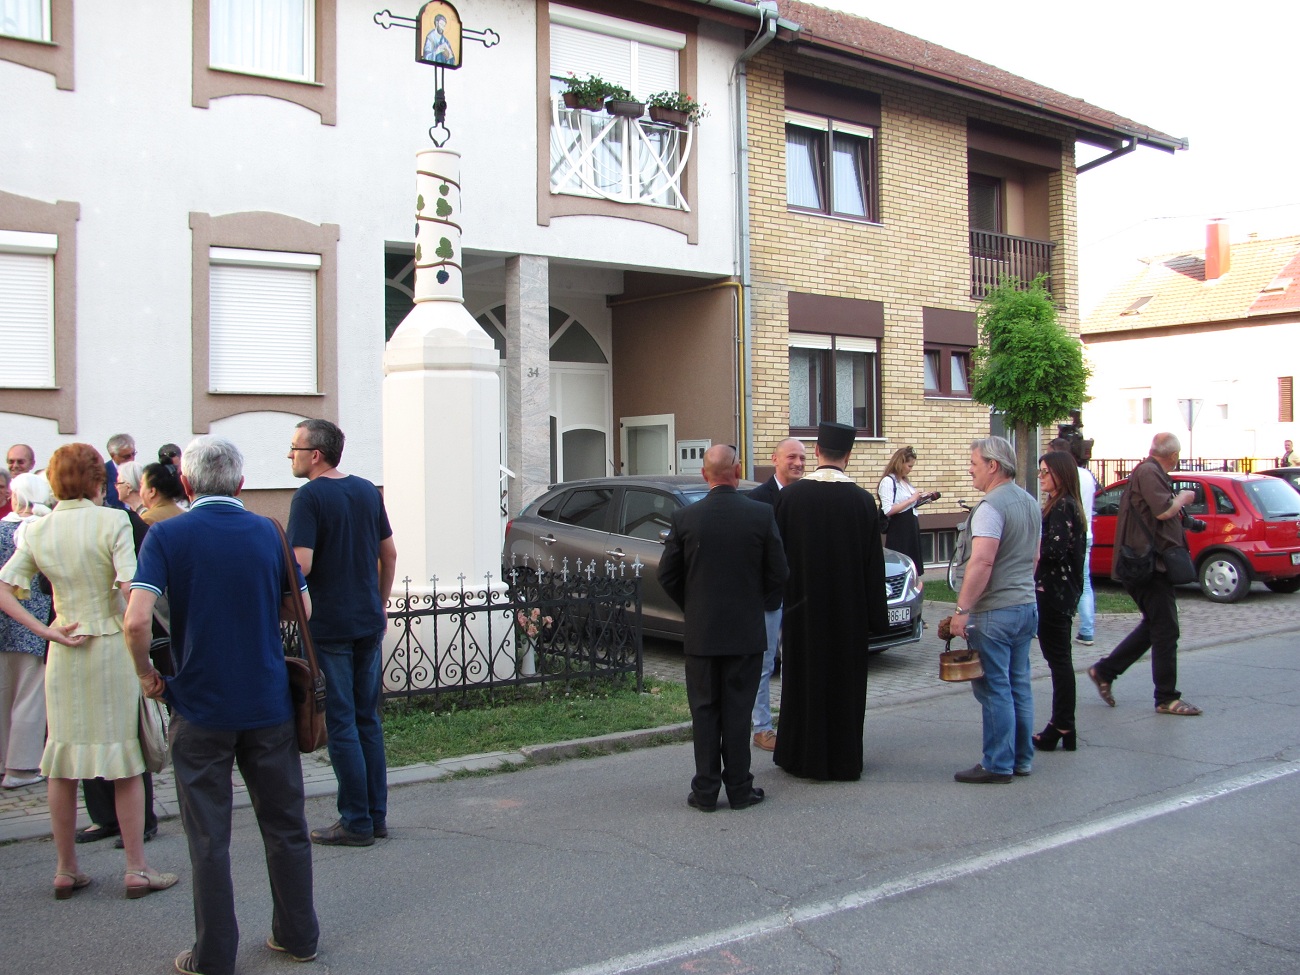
[834, 378]
[1222, 503]
[586, 508]
[27, 309]
[276, 38]
[1139, 409]
[603, 156]
[264, 321]
[646, 514]
[947, 371]
[1199, 506]
[282, 49]
[27, 19]
[1285, 400]
[984, 195]
[828, 166]
[262, 326]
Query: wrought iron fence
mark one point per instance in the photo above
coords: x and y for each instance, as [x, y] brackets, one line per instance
[535, 627]
[1109, 470]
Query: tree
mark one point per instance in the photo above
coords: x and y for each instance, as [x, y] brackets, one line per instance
[1027, 366]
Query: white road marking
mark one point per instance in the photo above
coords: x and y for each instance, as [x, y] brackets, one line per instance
[713, 940]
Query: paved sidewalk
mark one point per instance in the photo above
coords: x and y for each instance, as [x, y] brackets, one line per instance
[900, 675]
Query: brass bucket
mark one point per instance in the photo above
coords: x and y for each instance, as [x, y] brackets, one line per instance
[960, 665]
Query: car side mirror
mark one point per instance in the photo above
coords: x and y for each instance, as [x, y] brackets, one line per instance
[663, 536]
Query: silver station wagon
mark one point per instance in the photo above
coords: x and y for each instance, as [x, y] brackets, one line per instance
[625, 520]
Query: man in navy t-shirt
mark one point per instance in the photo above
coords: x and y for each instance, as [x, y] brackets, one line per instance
[223, 570]
[341, 538]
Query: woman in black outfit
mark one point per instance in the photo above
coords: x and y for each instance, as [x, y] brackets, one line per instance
[1059, 581]
[899, 501]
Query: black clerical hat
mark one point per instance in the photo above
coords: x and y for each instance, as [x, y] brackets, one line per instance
[835, 437]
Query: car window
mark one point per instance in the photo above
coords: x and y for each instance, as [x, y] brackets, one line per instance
[1273, 498]
[646, 513]
[585, 507]
[1199, 505]
[1222, 503]
[550, 506]
[1107, 502]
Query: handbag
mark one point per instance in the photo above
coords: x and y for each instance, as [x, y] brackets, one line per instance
[153, 734]
[306, 682]
[1178, 565]
[1130, 568]
[881, 516]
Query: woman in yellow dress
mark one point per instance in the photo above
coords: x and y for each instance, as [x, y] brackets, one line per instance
[92, 692]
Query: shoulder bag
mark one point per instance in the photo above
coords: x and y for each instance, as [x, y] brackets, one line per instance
[153, 734]
[306, 682]
[882, 514]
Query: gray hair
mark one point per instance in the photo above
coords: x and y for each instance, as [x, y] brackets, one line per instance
[130, 472]
[212, 466]
[1165, 445]
[998, 450]
[118, 441]
[28, 490]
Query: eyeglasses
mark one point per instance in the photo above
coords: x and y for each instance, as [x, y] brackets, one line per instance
[302, 448]
[1044, 472]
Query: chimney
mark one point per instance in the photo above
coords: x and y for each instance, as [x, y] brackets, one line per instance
[1218, 252]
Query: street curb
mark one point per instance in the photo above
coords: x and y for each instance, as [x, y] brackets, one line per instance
[617, 741]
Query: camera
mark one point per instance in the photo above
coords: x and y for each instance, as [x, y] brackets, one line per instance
[1193, 524]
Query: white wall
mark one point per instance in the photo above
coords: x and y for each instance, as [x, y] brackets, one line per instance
[128, 146]
[1236, 368]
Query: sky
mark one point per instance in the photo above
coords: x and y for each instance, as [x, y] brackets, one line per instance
[1224, 80]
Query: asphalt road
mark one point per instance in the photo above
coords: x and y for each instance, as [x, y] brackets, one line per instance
[1164, 844]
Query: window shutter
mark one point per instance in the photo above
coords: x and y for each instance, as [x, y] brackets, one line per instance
[1285, 400]
[584, 53]
[27, 320]
[262, 330]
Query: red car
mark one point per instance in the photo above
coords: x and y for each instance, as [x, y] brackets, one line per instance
[1253, 532]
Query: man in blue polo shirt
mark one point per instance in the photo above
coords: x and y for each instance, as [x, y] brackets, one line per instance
[340, 535]
[223, 569]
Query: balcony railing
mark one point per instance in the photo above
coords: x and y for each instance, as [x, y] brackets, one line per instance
[994, 256]
[613, 158]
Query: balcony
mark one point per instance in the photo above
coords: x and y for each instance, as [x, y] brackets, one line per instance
[994, 256]
[612, 158]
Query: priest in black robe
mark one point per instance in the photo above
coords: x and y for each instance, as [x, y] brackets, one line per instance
[834, 598]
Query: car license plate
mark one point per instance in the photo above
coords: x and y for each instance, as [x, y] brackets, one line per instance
[904, 614]
[1295, 560]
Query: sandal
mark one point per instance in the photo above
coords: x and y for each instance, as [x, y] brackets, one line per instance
[1178, 706]
[152, 881]
[1103, 686]
[63, 892]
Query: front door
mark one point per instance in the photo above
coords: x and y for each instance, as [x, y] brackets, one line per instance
[648, 444]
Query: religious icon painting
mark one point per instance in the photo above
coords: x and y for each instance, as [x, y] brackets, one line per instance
[438, 36]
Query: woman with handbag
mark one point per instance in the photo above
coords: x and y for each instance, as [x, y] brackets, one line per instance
[91, 692]
[1058, 580]
[898, 503]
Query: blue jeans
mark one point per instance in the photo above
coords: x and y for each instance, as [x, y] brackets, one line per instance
[1087, 602]
[1002, 636]
[353, 681]
[762, 716]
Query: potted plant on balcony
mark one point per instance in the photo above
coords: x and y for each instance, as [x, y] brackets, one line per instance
[589, 92]
[620, 102]
[675, 108]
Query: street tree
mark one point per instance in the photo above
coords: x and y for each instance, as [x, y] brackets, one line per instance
[1027, 366]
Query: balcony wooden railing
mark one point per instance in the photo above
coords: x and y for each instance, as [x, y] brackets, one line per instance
[994, 256]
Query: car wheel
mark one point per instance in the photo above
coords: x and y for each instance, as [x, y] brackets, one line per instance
[1224, 578]
[1284, 585]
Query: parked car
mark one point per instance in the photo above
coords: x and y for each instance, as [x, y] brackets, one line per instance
[1289, 474]
[1252, 532]
[627, 519]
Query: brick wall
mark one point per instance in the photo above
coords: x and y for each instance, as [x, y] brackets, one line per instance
[918, 255]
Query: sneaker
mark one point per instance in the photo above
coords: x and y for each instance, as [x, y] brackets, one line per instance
[339, 835]
[185, 964]
[276, 946]
[1082, 640]
[765, 740]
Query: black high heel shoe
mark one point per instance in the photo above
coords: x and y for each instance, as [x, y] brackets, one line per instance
[1045, 740]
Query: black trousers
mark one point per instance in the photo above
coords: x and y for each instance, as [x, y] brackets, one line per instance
[1157, 632]
[1054, 629]
[721, 693]
[101, 802]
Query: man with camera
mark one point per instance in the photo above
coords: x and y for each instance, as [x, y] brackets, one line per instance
[1151, 516]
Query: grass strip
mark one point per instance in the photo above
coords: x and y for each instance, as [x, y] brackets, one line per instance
[1111, 597]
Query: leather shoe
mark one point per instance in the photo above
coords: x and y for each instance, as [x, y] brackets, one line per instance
[695, 802]
[381, 831]
[338, 835]
[765, 740]
[95, 832]
[756, 795]
[148, 835]
[979, 775]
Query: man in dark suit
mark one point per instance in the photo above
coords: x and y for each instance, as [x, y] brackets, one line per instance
[724, 565]
[788, 459]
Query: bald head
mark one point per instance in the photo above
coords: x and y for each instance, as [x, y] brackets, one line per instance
[21, 459]
[721, 465]
[788, 459]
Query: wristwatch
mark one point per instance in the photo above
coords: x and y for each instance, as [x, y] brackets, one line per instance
[962, 612]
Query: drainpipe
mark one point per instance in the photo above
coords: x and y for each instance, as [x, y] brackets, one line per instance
[1123, 150]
